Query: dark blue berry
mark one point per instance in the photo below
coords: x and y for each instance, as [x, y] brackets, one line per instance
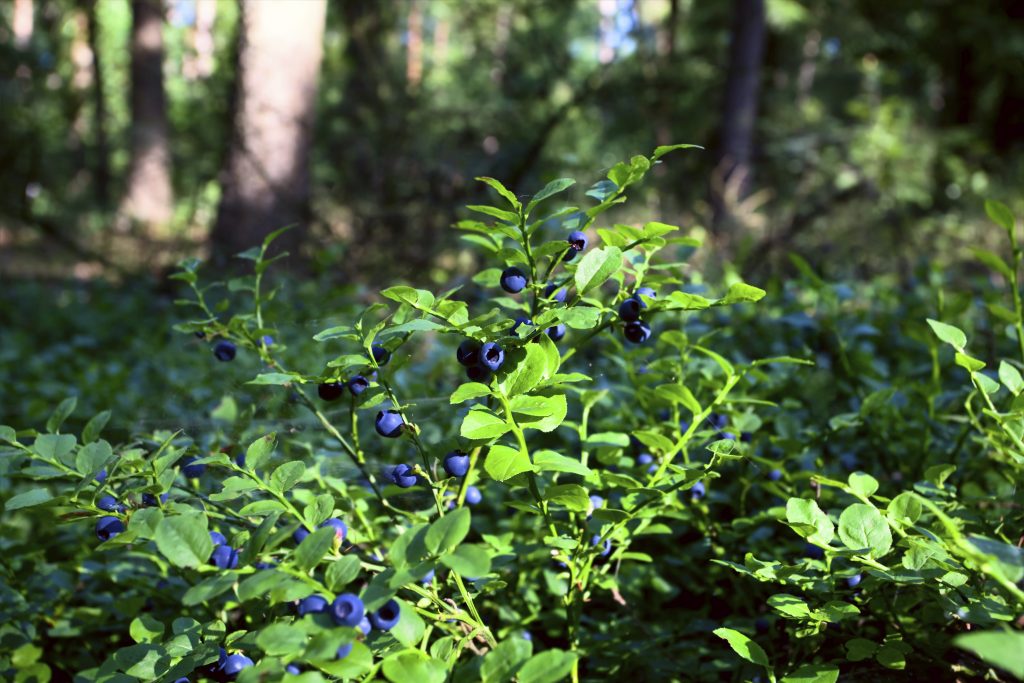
[293, 670]
[854, 580]
[240, 459]
[299, 535]
[456, 464]
[646, 291]
[698, 490]
[718, 420]
[344, 651]
[557, 332]
[347, 610]
[340, 528]
[192, 471]
[473, 495]
[380, 354]
[218, 538]
[607, 547]
[150, 501]
[429, 577]
[365, 626]
[491, 356]
[101, 476]
[312, 605]
[358, 385]
[268, 340]
[570, 254]
[108, 527]
[109, 504]
[629, 310]
[513, 280]
[637, 332]
[478, 373]
[224, 351]
[385, 618]
[644, 459]
[233, 665]
[521, 320]
[775, 475]
[557, 296]
[389, 423]
[402, 475]
[577, 240]
[224, 557]
[467, 352]
[329, 391]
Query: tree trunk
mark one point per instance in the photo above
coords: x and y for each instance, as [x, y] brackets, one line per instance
[743, 81]
[22, 23]
[265, 178]
[149, 198]
[101, 163]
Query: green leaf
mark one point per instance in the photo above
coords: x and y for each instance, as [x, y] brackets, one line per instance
[1011, 378]
[276, 378]
[468, 560]
[481, 424]
[208, 588]
[410, 627]
[27, 499]
[741, 292]
[789, 605]
[743, 646]
[862, 526]
[507, 216]
[503, 463]
[317, 512]
[259, 451]
[66, 407]
[501, 663]
[418, 298]
[91, 458]
[571, 496]
[54, 446]
[146, 629]
[597, 266]
[313, 548]
[343, 572]
[468, 391]
[259, 584]
[95, 426]
[581, 317]
[813, 673]
[1000, 214]
[549, 666]
[864, 484]
[550, 190]
[258, 539]
[555, 410]
[993, 261]
[998, 648]
[810, 521]
[530, 366]
[549, 461]
[184, 540]
[287, 475]
[447, 532]
[282, 639]
[509, 196]
[413, 665]
[662, 150]
[953, 336]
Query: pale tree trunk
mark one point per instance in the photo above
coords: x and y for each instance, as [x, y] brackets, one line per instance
[148, 198]
[266, 174]
[198, 63]
[101, 161]
[742, 88]
[414, 47]
[22, 22]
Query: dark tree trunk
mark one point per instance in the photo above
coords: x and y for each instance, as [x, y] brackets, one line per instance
[149, 198]
[101, 149]
[739, 115]
[266, 173]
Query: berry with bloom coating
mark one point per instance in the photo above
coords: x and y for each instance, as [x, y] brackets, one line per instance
[358, 385]
[577, 240]
[101, 476]
[299, 535]
[646, 291]
[491, 356]
[312, 605]
[340, 528]
[478, 373]
[775, 475]
[402, 475]
[467, 353]
[854, 580]
[149, 500]
[293, 670]
[329, 391]
[109, 504]
[108, 527]
[380, 354]
[644, 459]
[513, 280]
[473, 495]
[385, 618]
[718, 420]
[456, 464]
[224, 351]
[428, 578]
[192, 471]
[637, 332]
[233, 665]
[218, 538]
[698, 490]
[365, 626]
[557, 332]
[224, 557]
[607, 547]
[344, 651]
[389, 423]
[558, 296]
[347, 610]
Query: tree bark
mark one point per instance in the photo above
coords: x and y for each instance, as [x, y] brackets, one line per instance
[22, 23]
[101, 163]
[149, 197]
[742, 88]
[265, 179]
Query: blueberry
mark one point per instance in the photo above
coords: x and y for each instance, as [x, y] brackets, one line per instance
[149, 500]
[606, 549]
[698, 490]
[727, 435]
[340, 528]
[389, 423]
[637, 332]
[467, 353]
[385, 618]
[644, 459]
[299, 535]
[521, 320]
[557, 332]
[224, 557]
[814, 552]
[218, 538]
[629, 310]
[596, 501]
[478, 373]
[200, 334]
[224, 351]
[513, 280]
[108, 527]
[646, 291]
[570, 254]
[526, 635]
[380, 354]
[491, 356]
[556, 295]
[344, 651]
[775, 475]
[101, 476]
[293, 670]
[473, 495]
[428, 578]
[191, 471]
[109, 504]
[268, 340]
[358, 385]
[329, 391]
[402, 476]
[233, 665]
[347, 610]
[240, 459]
[718, 421]
[854, 580]
[456, 464]
[746, 437]
[365, 626]
[577, 240]
[761, 624]
[312, 605]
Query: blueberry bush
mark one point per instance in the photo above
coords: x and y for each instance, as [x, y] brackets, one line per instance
[587, 464]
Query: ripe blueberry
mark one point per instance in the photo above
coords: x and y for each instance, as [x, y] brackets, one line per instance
[389, 423]
[365, 626]
[340, 528]
[192, 471]
[473, 495]
[637, 332]
[109, 504]
[224, 351]
[456, 464]
[299, 535]
[312, 605]
[557, 332]
[596, 501]
[344, 651]
[521, 320]
[385, 618]
[293, 670]
[717, 420]
[775, 475]
[380, 354]
[606, 549]
[577, 240]
[402, 476]
[233, 664]
[556, 296]
[813, 551]
[428, 578]
[644, 459]
[698, 490]
[347, 610]
[467, 352]
[491, 356]
[329, 391]
[646, 291]
[358, 385]
[149, 500]
[854, 580]
[240, 459]
[513, 280]
[570, 254]
[218, 538]
[224, 557]
[629, 310]
[746, 437]
[108, 527]
[478, 373]
[101, 476]
[727, 435]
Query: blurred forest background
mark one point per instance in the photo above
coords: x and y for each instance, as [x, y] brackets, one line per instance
[861, 134]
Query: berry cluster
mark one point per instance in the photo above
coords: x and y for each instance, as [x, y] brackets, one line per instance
[636, 330]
